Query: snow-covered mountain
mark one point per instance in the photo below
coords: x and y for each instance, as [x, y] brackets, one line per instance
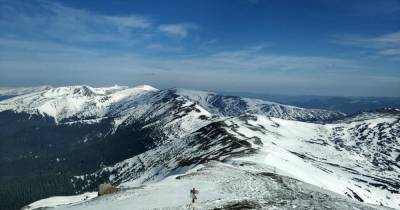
[240, 152]
[83, 103]
[73, 102]
[167, 113]
[235, 106]
[357, 159]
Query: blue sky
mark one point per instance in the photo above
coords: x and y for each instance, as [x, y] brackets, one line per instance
[286, 47]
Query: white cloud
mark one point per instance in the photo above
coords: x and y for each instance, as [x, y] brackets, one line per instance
[164, 48]
[50, 20]
[386, 44]
[387, 39]
[390, 52]
[131, 22]
[179, 29]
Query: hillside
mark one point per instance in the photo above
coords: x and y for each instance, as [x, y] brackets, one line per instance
[147, 140]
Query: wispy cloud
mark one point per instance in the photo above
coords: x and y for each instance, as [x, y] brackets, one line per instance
[386, 44]
[248, 69]
[131, 22]
[251, 59]
[10, 46]
[47, 20]
[58, 22]
[164, 47]
[254, 60]
[390, 52]
[179, 29]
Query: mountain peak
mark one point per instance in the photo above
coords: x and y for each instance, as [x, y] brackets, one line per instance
[78, 90]
[146, 87]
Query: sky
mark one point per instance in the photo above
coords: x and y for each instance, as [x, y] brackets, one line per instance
[304, 47]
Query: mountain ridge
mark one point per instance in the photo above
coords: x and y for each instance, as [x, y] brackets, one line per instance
[66, 102]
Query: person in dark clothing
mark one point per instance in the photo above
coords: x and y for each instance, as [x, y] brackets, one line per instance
[193, 196]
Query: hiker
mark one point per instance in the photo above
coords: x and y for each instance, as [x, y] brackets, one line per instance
[193, 196]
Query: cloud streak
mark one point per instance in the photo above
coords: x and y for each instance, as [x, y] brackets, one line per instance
[62, 23]
[385, 45]
[180, 30]
[130, 22]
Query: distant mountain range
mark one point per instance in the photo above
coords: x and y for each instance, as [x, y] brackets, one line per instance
[157, 144]
[347, 105]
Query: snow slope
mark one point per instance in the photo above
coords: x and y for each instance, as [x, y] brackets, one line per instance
[73, 102]
[166, 116]
[61, 200]
[235, 106]
[329, 158]
[357, 159]
[223, 186]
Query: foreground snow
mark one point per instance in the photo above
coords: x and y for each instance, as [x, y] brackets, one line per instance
[61, 200]
[223, 186]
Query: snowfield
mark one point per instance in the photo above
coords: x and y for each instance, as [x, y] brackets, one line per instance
[330, 156]
[223, 186]
[306, 152]
[61, 200]
[235, 106]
